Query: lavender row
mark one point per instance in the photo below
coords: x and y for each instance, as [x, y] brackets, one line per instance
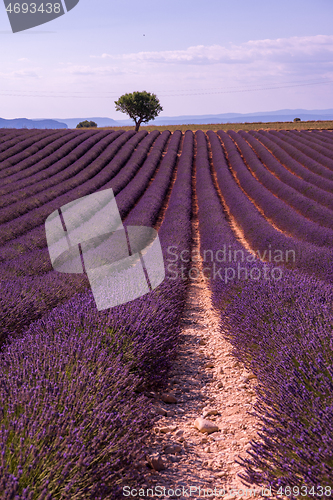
[113, 352]
[313, 211]
[16, 137]
[294, 444]
[38, 150]
[29, 171]
[317, 153]
[312, 140]
[58, 172]
[147, 209]
[24, 148]
[325, 135]
[305, 160]
[9, 139]
[94, 149]
[175, 230]
[39, 289]
[94, 175]
[282, 330]
[218, 243]
[258, 232]
[35, 239]
[292, 165]
[273, 208]
[273, 165]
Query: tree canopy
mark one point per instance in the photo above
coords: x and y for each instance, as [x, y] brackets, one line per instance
[140, 106]
[86, 124]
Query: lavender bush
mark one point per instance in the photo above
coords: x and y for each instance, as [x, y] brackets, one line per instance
[283, 332]
[271, 164]
[72, 420]
[302, 158]
[317, 153]
[295, 222]
[292, 165]
[39, 169]
[25, 148]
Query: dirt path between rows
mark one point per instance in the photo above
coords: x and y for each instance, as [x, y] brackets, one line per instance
[204, 376]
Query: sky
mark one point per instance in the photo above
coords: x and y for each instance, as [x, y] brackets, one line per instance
[198, 56]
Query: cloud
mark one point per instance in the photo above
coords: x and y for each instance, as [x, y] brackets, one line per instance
[24, 59]
[94, 71]
[295, 49]
[22, 73]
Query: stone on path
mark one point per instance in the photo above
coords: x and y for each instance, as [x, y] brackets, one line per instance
[204, 425]
[207, 412]
[172, 448]
[155, 461]
[160, 411]
[168, 398]
[165, 430]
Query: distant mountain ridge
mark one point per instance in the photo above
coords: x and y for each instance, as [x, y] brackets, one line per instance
[101, 122]
[27, 123]
[281, 115]
[263, 116]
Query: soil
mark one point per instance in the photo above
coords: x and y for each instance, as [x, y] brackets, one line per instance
[204, 376]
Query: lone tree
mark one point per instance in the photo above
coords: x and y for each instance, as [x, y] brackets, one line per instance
[297, 119]
[86, 124]
[140, 106]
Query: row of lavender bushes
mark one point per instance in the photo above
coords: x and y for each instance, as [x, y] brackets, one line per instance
[12, 137]
[38, 170]
[301, 158]
[24, 148]
[281, 329]
[14, 165]
[29, 260]
[288, 210]
[258, 232]
[30, 287]
[114, 174]
[317, 153]
[311, 141]
[77, 186]
[293, 165]
[298, 199]
[82, 169]
[73, 422]
[272, 165]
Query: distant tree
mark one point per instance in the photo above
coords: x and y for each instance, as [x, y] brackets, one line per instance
[140, 106]
[297, 119]
[86, 124]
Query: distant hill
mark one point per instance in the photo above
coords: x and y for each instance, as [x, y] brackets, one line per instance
[26, 123]
[101, 122]
[282, 115]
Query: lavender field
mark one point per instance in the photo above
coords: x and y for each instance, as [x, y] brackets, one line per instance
[73, 380]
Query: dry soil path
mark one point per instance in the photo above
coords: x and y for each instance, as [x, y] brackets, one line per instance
[205, 381]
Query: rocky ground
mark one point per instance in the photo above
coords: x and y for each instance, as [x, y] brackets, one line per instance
[206, 383]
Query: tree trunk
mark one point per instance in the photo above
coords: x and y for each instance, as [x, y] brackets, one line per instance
[137, 125]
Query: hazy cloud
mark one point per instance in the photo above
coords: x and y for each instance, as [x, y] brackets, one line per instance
[284, 50]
